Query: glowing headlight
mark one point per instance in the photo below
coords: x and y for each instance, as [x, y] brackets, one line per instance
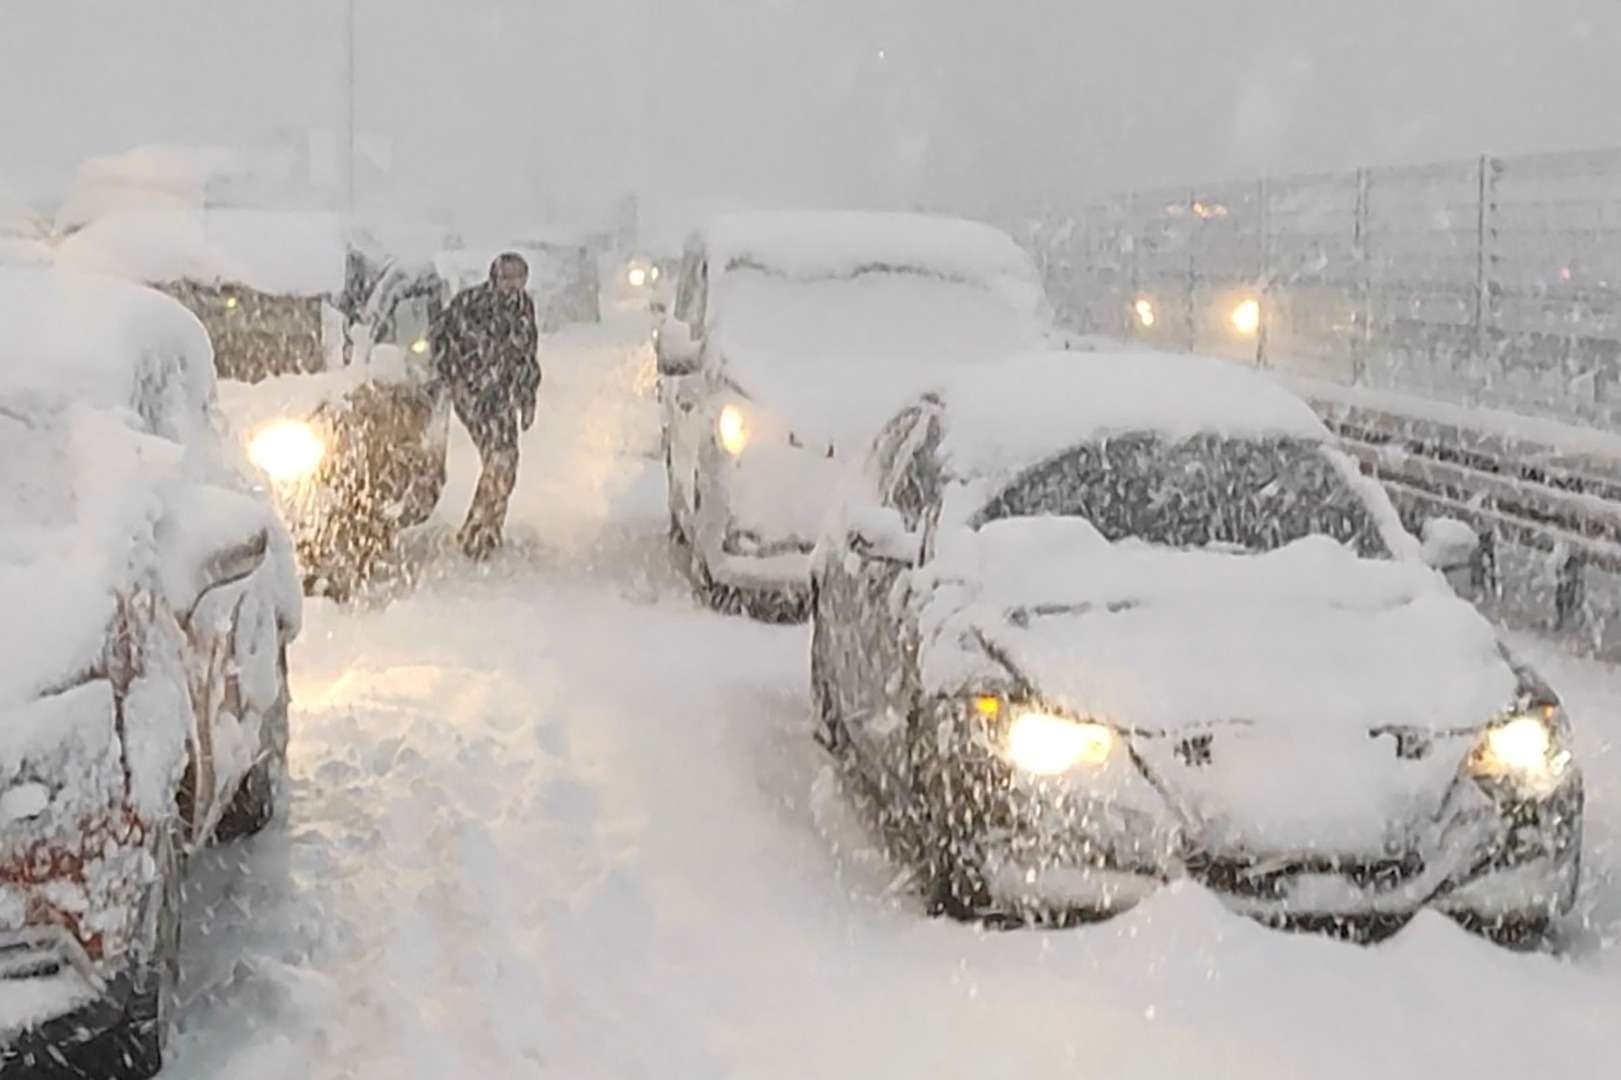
[637, 277]
[1524, 749]
[731, 430]
[653, 274]
[1143, 309]
[419, 346]
[231, 303]
[1246, 317]
[1046, 745]
[287, 450]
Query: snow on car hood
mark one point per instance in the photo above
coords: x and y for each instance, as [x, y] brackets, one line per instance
[1288, 661]
[1309, 637]
[835, 357]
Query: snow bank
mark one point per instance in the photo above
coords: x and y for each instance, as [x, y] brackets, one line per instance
[812, 244]
[1013, 414]
[275, 252]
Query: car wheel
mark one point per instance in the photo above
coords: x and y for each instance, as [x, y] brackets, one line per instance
[155, 975]
[254, 804]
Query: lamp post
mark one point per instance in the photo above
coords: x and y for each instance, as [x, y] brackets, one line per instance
[349, 127]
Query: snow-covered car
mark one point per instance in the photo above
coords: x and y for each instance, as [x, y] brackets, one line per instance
[150, 597]
[323, 349]
[793, 337]
[1088, 621]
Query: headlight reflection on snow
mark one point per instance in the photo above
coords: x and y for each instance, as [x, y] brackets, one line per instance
[287, 450]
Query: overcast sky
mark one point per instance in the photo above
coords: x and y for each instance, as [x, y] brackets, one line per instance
[530, 108]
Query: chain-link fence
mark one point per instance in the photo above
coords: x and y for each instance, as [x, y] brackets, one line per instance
[1495, 281]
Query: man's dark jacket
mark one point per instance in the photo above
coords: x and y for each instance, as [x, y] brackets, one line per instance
[484, 353]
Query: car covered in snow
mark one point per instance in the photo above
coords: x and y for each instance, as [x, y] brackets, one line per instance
[792, 338]
[321, 340]
[150, 596]
[1086, 622]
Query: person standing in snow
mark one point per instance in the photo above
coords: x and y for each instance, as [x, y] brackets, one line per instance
[484, 354]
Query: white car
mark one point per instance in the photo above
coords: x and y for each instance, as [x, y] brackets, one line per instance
[793, 336]
[1090, 621]
[150, 596]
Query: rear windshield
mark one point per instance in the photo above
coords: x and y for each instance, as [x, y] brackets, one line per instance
[1251, 494]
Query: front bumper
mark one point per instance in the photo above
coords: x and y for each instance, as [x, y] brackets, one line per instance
[91, 1038]
[1487, 860]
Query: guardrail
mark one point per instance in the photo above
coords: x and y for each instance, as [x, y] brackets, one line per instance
[1492, 280]
[1543, 496]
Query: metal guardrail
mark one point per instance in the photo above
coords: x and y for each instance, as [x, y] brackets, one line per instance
[1493, 281]
[1516, 491]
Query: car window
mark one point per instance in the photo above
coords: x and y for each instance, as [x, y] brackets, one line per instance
[1254, 494]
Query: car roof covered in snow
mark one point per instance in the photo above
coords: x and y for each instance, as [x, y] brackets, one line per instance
[82, 339]
[1005, 417]
[282, 253]
[819, 244]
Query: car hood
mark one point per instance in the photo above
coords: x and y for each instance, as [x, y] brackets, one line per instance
[1296, 670]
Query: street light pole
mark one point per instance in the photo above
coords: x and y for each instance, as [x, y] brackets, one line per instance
[350, 90]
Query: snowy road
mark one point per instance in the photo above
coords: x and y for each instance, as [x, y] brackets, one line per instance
[549, 819]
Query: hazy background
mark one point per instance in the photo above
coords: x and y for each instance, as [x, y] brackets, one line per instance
[529, 110]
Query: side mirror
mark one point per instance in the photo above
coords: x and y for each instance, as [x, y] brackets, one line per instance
[679, 353]
[1449, 544]
[879, 533]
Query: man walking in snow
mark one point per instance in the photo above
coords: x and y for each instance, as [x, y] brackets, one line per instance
[484, 354]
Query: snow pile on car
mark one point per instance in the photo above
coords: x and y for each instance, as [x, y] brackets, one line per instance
[106, 412]
[1014, 414]
[814, 244]
[280, 253]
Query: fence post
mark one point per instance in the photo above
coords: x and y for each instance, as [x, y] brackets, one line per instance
[1190, 301]
[1484, 220]
[1265, 270]
[1570, 591]
[1362, 289]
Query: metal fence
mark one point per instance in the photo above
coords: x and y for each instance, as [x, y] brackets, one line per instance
[1494, 281]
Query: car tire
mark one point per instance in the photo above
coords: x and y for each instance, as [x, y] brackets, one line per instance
[143, 1032]
[254, 804]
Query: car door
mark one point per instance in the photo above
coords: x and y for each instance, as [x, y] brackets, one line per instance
[875, 683]
[683, 395]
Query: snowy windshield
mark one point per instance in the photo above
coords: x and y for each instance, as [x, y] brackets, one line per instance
[891, 314]
[1210, 490]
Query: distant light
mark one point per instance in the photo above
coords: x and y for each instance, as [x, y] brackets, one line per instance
[1246, 317]
[1565, 274]
[638, 277]
[419, 346]
[231, 302]
[1144, 310]
[883, 54]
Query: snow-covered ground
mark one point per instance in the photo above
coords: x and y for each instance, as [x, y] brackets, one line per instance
[547, 818]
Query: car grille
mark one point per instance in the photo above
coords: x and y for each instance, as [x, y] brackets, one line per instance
[1268, 879]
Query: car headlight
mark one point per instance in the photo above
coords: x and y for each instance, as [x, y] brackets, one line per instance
[1246, 316]
[420, 346]
[287, 450]
[1524, 749]
[732, 430]
[637, 277]
[1043, 743]
[1143, 311]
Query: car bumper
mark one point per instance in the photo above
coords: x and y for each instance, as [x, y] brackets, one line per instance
[91, 1038]
[1485, 862]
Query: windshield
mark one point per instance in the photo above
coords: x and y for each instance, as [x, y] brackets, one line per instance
[892, 314]
[1252, 495]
